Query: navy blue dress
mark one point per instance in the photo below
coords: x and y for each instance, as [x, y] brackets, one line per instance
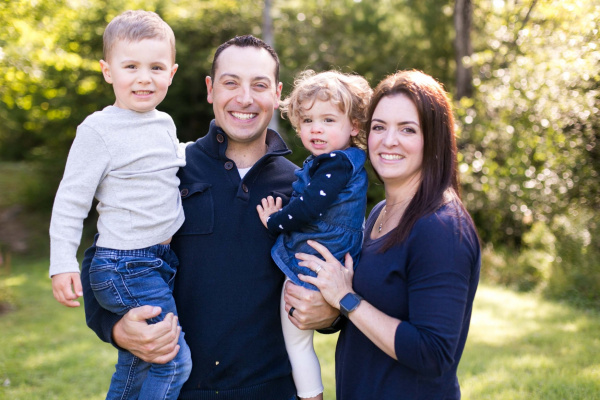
[328, 205]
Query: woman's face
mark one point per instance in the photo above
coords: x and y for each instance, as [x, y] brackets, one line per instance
[396, 141]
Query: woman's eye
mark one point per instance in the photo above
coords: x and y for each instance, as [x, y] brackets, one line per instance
[377, 128]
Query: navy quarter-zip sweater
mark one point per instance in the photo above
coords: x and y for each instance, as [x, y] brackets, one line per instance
[227, 288]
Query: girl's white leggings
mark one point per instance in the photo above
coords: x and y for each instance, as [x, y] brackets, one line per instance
[305, 364]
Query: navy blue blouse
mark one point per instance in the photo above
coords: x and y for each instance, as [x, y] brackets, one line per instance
[429, 283]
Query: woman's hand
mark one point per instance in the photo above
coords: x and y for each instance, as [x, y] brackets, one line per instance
[333, 279]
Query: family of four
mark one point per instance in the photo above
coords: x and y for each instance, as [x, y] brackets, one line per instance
[193, 237]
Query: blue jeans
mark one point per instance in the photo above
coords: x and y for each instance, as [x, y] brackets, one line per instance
[126, 279]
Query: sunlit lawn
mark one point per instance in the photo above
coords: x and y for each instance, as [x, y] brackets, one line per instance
[520, 347]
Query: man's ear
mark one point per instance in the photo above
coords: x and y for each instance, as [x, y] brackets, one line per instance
[278, 95]
[106, 71]
[209, 89]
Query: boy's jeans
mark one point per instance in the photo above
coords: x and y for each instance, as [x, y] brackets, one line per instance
[125, 279]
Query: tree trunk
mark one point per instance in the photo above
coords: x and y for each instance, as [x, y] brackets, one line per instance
[463, 15]
[268, 38]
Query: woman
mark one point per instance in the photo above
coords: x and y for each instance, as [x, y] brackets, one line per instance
[420, 262]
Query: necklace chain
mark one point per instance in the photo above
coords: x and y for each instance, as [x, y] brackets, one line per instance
[383, 220]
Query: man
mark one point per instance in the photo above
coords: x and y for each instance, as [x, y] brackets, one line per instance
[227, 288]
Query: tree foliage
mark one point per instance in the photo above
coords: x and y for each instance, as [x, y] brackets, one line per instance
[530, 136]
[529, 154]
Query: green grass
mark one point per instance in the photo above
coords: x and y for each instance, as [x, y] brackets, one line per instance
[520, 347]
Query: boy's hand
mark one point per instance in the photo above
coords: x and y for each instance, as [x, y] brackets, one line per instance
[269, 206]
[66, 288]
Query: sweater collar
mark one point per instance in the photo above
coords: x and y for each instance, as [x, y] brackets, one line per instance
[215, 143]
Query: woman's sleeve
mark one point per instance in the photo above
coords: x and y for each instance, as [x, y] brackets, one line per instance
[328, 180]
[438, 277]
[97, 318]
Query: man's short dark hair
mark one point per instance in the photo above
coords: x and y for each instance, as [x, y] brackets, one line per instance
[245, 41]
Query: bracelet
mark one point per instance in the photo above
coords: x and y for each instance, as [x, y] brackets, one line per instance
[335, 326]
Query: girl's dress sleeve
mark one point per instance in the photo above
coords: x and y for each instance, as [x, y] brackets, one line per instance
[331, 174]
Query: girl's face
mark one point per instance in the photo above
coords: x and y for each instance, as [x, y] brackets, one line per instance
[396, 141]
[324, 127]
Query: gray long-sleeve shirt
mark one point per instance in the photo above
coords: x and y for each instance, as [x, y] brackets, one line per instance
[128, 161]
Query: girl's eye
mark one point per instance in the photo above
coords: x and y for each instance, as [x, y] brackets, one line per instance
[329, 120]
[131, 66]
[306, 121]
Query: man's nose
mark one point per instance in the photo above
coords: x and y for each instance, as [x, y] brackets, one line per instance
[244, 96]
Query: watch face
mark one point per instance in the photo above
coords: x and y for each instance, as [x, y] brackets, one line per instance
[349, 303]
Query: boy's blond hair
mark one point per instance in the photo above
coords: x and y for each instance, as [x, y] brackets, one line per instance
[351, 93]
[134, 26]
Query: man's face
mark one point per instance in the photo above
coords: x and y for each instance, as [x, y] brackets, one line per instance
[245, 93]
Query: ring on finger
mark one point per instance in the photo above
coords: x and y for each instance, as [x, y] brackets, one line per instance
[291, 312]
[318, 269]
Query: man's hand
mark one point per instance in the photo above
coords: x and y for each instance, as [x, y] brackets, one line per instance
[311, 311]
[153, 343]
[269, 206]
[66, 288]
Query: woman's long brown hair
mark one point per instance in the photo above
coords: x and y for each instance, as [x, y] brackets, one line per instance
[439, 175]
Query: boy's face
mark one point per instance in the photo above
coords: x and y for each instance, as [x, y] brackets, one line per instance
[140, 72]
[324, 128]
[245, 93]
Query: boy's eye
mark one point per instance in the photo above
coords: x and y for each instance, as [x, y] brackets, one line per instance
[157, 68]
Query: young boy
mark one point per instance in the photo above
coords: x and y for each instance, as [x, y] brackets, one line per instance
[330, 196]
[127, 157]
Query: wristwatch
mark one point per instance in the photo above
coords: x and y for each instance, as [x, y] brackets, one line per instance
[348, 303]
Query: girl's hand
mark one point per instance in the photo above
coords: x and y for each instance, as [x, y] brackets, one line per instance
[268, 207]
[333, 279]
